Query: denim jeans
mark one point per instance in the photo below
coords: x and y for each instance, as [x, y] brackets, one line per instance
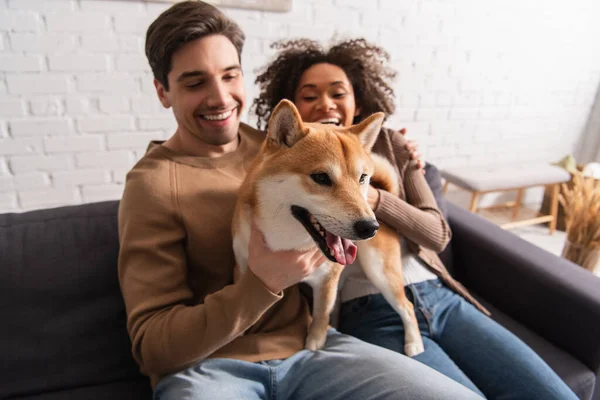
[460, 341]
[345, 369]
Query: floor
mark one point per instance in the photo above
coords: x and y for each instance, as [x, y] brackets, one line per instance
[539, 235]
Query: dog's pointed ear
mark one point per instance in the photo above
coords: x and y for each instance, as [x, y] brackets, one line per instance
[368, 130]
[285, 125]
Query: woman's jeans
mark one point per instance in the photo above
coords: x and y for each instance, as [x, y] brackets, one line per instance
[460, 341]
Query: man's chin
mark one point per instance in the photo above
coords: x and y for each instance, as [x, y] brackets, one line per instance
[224, 140]
[218, 138]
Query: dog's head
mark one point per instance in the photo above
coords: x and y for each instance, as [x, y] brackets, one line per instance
[317, 175]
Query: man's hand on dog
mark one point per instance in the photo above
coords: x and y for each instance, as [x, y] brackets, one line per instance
[279, 270]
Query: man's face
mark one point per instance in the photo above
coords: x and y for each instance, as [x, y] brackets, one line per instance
[206, 90]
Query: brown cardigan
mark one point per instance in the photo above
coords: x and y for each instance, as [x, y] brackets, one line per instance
[414, 213]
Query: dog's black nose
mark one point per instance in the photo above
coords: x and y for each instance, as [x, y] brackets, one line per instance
[366, 228]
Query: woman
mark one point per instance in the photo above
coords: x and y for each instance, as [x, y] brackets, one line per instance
[343, 85]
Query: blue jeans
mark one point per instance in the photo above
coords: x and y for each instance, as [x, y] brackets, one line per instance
[460, 342]
[345, 369]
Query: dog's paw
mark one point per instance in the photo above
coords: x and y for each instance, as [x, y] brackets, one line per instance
[315, 342]
[412, 349]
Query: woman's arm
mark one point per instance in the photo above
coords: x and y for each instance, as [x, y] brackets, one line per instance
[418, 218]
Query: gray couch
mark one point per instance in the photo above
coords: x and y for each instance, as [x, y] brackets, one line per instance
[63, 332]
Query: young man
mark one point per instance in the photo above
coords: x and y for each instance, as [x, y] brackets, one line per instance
[197, 334]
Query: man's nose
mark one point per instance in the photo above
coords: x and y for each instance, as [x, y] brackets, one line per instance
[218, 96]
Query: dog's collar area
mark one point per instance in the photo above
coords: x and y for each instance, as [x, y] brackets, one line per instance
[306, 219]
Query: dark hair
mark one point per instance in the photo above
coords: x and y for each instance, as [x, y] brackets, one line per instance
[183, 23]
[363, 63]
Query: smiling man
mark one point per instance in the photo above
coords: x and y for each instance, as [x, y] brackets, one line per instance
[206, 91]
[195, 332]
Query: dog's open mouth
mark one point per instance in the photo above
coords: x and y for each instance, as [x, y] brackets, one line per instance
[335, 248]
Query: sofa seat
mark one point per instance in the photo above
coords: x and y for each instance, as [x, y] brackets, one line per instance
[126, 390]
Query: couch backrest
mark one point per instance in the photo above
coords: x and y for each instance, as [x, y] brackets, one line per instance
[63, 317]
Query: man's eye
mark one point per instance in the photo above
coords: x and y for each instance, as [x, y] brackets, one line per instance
[363, 178]
[321, 178]
[194, 84]
[229, 77]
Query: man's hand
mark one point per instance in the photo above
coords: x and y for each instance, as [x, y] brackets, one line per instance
[279, 270]
[413, 148]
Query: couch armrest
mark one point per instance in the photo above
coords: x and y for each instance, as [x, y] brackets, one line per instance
[552, 296]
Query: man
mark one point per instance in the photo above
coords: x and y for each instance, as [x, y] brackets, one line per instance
[195, 332]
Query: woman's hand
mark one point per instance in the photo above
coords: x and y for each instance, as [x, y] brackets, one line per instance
[413, 148]
[279, 270]
[373, 197]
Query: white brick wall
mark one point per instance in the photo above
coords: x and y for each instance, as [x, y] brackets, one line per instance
[477, 82]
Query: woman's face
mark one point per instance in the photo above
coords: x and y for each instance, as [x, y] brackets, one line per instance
[324, 94]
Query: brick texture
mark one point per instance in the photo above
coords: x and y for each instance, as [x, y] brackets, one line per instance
[477, 82]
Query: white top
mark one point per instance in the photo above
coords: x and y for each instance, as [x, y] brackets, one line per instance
[354, 283]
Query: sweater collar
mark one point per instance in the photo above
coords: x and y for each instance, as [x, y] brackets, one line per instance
[157, 147]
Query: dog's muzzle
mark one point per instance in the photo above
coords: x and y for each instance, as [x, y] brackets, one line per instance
[366, 228]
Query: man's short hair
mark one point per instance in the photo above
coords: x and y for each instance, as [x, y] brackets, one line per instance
[181, 24]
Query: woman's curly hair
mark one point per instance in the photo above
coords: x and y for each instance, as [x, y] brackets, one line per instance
[363, 63]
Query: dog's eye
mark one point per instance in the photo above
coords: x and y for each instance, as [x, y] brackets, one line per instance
[321, 178]
[363, 178]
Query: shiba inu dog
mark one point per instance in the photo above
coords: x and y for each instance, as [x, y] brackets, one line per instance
[308, 186]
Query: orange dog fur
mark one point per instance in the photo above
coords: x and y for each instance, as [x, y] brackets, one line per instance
[308, 186]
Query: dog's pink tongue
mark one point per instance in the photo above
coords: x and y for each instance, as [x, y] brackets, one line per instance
[344, 250]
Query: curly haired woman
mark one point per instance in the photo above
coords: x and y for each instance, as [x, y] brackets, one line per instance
[342, 85]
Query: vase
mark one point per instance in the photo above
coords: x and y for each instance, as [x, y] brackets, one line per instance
[587, 257]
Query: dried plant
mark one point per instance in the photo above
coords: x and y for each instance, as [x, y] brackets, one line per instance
[582, 219]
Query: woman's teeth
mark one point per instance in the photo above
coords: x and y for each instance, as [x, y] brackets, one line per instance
[333, 121]
[218, 117]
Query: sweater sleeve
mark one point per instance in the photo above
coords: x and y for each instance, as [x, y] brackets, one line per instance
[418, 218]
[168, 333]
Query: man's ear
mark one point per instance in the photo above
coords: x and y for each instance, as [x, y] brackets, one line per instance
[368, 130]
[162, 94]
[285, 125]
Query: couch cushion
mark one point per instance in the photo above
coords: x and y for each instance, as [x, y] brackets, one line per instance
[579, 377]
[125, 390]
[501, 177]
[63, 314]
